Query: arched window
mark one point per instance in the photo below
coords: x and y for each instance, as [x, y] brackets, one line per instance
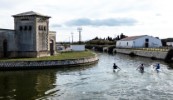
[51, 47]
[30, 28]
[39, 28]
[25, 28]
[44, 28]
[20, 28]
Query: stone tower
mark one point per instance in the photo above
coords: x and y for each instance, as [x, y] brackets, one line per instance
[32, 34]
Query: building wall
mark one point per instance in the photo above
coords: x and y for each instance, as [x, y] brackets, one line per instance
[153, 42]
[9, 37]
[32, 36]
[42, 32]
[124, 44]
[24, 27]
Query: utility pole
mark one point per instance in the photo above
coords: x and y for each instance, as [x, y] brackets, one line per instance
[72, 37]
[69, 39]
[79, 30]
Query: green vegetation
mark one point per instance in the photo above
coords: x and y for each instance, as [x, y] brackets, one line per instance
[60, 56]
[105, 41]
[100, 42]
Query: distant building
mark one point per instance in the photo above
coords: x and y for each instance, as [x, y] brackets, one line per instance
[77, 47]
[143, 41]
[169, 44]
[30, 38]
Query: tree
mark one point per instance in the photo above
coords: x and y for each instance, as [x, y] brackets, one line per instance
[117, 38]
[96, 38]
[122, 36]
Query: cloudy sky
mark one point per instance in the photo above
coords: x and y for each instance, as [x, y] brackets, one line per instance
[100, 18]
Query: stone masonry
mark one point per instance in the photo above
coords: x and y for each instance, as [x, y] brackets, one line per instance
[144, 53]
[30, 38]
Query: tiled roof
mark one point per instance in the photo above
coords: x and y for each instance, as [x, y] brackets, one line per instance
[132, 38]
[30, 13]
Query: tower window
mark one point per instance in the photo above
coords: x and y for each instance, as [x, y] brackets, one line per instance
[25, 28]
[20, 28]
[30, 28]
[146, 40]
[44, 28]
[41, 27]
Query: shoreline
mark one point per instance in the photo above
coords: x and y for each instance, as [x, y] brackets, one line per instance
[160, 55]
[23, 65]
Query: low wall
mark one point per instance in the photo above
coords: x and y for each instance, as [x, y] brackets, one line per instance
[46, 64]
[144, 53]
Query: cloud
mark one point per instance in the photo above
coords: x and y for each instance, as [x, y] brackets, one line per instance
[56, 25]
[102, 22]
[11, 4]
[158, 14]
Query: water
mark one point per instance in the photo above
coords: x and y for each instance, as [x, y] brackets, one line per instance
[95, 82]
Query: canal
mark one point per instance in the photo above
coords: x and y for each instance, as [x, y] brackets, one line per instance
[94, 82]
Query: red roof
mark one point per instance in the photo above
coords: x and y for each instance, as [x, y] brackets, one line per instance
[132, 38]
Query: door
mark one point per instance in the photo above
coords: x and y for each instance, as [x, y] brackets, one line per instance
[5, 48]
[51, 47]
[146, 43]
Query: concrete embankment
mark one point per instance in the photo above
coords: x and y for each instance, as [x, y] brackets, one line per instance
[13, 65]
[163, 55]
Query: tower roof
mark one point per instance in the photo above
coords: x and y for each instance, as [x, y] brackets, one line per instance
[132, 38]
[30, 13]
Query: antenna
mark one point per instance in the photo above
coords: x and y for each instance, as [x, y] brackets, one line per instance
[69, 39]
[72, 37]
[79, 30]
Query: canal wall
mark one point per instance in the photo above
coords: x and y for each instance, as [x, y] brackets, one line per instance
[163, 55]
[47, 64]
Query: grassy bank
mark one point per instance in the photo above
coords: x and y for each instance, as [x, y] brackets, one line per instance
[60, 56]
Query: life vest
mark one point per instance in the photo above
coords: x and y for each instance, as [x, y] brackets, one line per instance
[158, 66]
[115, 66]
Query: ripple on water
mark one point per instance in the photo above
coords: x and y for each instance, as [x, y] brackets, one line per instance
[99, 82]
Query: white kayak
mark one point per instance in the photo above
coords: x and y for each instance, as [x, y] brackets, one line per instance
[153, 68]
[116, 70]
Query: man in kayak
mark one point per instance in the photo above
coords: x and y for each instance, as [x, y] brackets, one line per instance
[115, 67]
[158, 67]
[141, 68]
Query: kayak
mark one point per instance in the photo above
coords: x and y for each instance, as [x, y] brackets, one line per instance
[116, 70]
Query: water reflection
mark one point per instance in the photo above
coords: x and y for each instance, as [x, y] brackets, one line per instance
[97, 82]
[25, 84]
[31, 84]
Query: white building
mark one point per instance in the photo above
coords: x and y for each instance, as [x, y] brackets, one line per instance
[77, 47]
[143, 41]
